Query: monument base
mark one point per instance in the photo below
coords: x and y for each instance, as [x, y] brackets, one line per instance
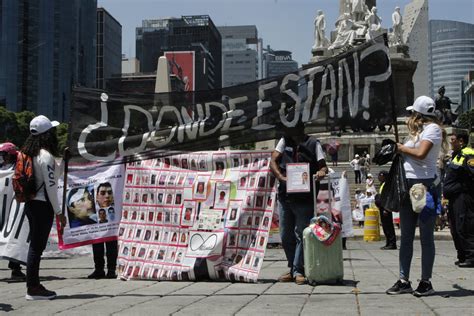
[320, 53]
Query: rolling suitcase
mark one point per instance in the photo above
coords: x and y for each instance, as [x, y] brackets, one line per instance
[322, 264]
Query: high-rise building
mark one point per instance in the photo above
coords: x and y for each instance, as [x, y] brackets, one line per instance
[130, 65]
[415, 35]
[239, 54]
[196, 33]
[451, 56]
[109, 47]
[46, 47]
[277, 62]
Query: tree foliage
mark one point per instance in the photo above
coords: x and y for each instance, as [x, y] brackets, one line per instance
[466, 120]
[14, 127]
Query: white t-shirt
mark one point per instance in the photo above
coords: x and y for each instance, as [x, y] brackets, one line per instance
[280, 147]
[426, 168]
[355, 163]
[47, 171]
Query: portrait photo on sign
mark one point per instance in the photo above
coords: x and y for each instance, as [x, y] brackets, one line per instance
[222, 192]
[233, 212]
[298, 179]
[219, 166]
[81, 206]
[200, 188]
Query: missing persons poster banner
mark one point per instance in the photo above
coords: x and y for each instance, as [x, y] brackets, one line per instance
[197, 216]
[93, 204]
[14, 227]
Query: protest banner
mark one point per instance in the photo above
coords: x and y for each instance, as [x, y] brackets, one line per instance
[194, 216]
[14, 228]
[342, 203]
[351, 90]
[93, 205]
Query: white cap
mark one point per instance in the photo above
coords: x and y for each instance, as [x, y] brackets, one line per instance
[357, 156]
[424, 105]
[369, 175]
[41, 124]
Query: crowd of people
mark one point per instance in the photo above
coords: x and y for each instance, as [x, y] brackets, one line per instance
[427, 140]
[421, 150]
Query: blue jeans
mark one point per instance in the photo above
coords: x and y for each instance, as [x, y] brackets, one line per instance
[408, 221]
[295, 216]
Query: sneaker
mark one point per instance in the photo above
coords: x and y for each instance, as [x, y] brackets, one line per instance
[97, 274]
[300, 280]
[111, 274]
[18, 275]
[287, 277]
[36, 293]
[400, 287]
[424, 289]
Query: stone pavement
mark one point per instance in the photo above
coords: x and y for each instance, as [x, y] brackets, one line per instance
[368, 273]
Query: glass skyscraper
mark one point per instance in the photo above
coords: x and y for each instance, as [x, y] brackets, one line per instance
[451, 56]
[46, 47]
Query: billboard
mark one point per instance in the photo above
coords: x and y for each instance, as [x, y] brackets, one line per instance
[182, 66]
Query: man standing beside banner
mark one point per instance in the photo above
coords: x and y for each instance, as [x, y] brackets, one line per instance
[296, 205]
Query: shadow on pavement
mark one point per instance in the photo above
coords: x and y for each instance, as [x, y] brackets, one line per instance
[458, 292]
[5, 307]
[82, 296]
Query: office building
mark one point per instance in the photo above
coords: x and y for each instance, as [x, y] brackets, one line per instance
[109, 47]
[416, 36]
[130, 65]
[451, 56]
[239, 54]
[56, 50]
[277, 62]
[196, 34]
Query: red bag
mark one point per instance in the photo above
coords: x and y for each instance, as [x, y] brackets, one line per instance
[23, 180]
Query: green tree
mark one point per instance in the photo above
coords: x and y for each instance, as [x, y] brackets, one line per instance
[247, 146]
[466, 120]
[62, 132]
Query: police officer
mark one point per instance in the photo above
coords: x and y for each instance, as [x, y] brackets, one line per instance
[296, 209]
[459, 190]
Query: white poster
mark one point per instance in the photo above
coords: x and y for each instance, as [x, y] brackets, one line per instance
[94, 204]
[298, 179]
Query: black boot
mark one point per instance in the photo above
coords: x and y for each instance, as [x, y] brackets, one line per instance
[97, 274]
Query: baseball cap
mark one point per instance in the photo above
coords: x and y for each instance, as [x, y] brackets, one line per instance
[9, 148]
[41, 124]
[424, 105]
[357, 156]
[369, 175]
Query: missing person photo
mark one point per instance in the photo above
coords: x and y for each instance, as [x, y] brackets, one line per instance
[81, 206]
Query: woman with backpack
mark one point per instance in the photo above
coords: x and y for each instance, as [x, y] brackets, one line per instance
[40, 209]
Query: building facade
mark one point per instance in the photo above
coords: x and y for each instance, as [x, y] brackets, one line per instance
[130, 65]
[277, 63]
[109, 47]
[46, 47]
[451, 56]
[189, 33]
[239, 54]
[416, 36]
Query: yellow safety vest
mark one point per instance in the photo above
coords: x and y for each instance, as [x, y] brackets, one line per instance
[466, 152]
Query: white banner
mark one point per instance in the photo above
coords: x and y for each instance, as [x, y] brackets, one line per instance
[14, 227]
[93, 204]
[342, 199]
[203, 215]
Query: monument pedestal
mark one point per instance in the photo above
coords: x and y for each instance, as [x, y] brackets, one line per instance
[319, 54]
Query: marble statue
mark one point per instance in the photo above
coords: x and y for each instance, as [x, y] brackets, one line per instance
[347, 31]
[374, 24]
[359, 10]
[320, 40]
[397, 36]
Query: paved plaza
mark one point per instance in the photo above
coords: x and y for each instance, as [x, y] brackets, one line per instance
[368, 272]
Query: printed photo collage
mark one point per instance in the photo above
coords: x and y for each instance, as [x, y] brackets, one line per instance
[168, 200]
